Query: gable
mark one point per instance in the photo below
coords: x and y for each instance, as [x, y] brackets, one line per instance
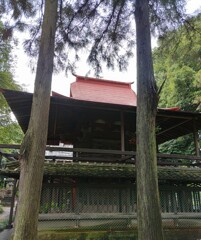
[104, 91]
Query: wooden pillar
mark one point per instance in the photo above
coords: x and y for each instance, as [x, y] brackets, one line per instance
[74, 197]
[55, 125]
[1, 157]
[196, 139]
[120, 200]
[12, 204]
[122, 132]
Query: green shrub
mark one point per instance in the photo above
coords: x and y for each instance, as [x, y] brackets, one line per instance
[56, 235]
[3, 225]
[1, 209]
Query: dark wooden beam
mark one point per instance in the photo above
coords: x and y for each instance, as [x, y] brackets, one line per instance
[178, 156]
[175, 126]
[196, 138]
[11, 146]
[122, 132]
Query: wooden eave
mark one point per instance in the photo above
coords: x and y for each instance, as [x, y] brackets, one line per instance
[67, 114]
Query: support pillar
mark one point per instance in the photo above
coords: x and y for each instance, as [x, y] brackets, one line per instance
[122, 132]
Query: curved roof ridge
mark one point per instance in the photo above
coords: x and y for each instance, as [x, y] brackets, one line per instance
[101, 79]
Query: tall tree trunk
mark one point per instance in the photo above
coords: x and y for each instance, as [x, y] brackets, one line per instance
[34, 143]
[148, 203]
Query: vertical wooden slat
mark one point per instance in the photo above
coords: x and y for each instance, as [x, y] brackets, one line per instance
[194, 201]
[199, 200]
[74, 196]
[162, 199]
[122, 132]
[174, 202]
[191, 196]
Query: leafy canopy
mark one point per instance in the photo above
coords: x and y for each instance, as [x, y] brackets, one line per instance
[10, 131]
[177, 59]
[104, 29]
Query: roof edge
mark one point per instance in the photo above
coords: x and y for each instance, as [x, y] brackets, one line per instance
[102, 79]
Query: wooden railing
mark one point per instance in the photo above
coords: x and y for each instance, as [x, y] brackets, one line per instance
[64, 154]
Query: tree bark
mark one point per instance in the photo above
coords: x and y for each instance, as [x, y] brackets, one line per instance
[148, 203]
[34, 143]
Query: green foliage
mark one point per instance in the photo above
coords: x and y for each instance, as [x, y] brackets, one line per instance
[104, 28]
[182, 145]
[98, 235]
[177, 61]
[10, 131]
[1, 209]
[170, 234]
[3, 225]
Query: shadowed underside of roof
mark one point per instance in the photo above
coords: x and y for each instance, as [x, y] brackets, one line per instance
[67, 114]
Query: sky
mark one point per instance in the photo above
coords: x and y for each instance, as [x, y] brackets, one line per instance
[61, 83]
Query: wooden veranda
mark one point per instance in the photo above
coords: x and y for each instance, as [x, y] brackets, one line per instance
[90, 161]
[96, 125]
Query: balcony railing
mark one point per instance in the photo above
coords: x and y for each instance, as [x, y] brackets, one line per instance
[59, 154]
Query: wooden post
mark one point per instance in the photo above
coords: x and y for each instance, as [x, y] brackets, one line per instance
[1, 157]
[12, 204]
[55, 122]
[74, 198]
[196, 139]
[122, 132]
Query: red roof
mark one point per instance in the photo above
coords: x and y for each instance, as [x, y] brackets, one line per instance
[99, 90]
